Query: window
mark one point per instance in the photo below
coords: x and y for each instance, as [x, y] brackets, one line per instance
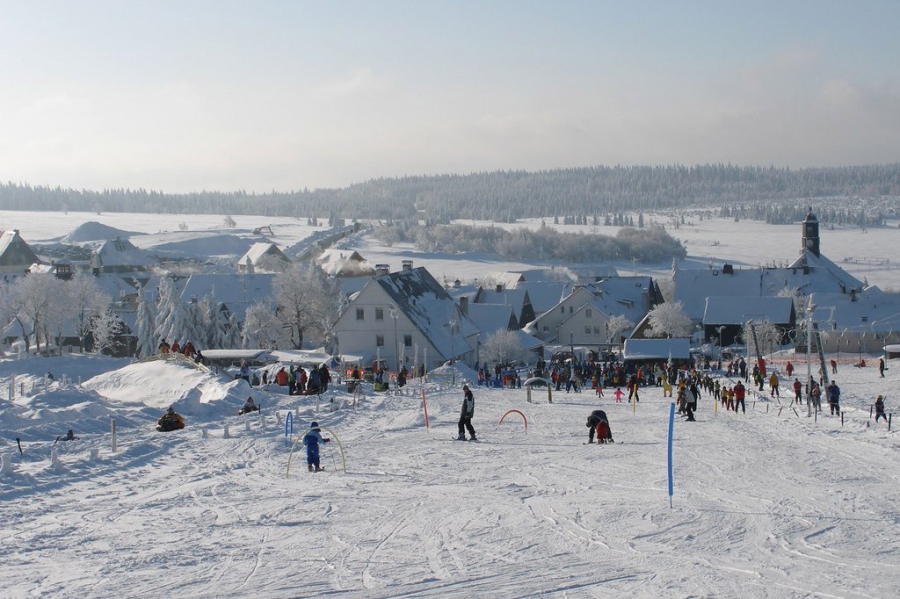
[587, 330]
[360, 314]
[596, 330]
[571, 309]
[379, 340]
[379, 313]
[587, 313]
[407, 340]
[562, 309]
[546, 328]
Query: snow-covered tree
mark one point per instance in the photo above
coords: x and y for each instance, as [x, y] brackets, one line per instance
[767, 334]
[262, 328]
[616, 325]
[34, 296]
[504, 347]
[87, 301]
[106, 330]
[170, 317]
[233, 335]
[669, 320]
[307, 301]
[195, 329]
[146, 341]
[213, 322]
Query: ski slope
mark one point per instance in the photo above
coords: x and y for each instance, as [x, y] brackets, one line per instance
[765, 504]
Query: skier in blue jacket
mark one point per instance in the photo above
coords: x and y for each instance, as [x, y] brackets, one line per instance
[311, 440]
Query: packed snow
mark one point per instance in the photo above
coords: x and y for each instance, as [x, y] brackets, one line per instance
[766, 504]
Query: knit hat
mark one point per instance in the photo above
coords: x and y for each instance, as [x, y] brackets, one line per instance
[314, 425]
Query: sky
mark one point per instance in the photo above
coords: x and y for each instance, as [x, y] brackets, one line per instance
[286, 95]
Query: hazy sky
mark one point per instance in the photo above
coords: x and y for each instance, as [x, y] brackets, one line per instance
[263, 95]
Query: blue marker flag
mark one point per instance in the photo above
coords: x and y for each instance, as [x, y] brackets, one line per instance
[671, 428]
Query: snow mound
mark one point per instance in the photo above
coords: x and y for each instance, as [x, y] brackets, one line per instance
[160, 384]
[94, 231]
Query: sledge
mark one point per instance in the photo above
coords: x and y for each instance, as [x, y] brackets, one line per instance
[246, 410]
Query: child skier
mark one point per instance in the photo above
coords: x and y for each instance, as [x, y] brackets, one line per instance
[311, 440]
[465, 417]
[879, 409]
[618, 395]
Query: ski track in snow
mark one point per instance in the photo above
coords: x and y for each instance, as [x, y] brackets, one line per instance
[764, 506]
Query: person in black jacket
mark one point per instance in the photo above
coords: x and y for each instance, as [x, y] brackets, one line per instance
[597, 417]
[465, 418]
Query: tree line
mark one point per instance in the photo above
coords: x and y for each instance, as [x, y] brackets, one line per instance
[502, 196]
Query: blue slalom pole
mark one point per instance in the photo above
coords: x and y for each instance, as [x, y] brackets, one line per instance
[671, 428]
[289, 425]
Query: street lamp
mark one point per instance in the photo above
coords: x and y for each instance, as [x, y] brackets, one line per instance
[452, 325]
[396, 347]
[809, 315]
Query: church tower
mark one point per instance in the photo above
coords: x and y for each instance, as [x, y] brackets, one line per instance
[811, 234]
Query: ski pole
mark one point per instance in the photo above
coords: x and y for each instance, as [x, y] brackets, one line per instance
[333, 461]
[19, 441]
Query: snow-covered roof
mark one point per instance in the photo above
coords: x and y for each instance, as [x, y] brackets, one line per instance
[258, 250]
[871, 310]
[119, 252]
[430, 308]
[344, 263]
[237, 291]
[544, 294]
[657, 349]
[114, 286]
[491, 318]
[809, 274]
[508, 297]
[738, 310]
[14, 252]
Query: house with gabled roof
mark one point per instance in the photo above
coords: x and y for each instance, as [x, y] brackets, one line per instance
[257, 255]
[15, 255]
[236, 292]
[577, 319]
[344, 263]
[725, 317]
[399, 314]
[518, 299]
[119, 256]
[856, 322]
[810, 273]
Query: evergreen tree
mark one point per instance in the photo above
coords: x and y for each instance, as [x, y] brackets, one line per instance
[146, 338]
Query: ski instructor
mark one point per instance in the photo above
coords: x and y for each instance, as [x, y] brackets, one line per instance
[465, 417]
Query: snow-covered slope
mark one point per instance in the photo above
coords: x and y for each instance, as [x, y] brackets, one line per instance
[766, 504]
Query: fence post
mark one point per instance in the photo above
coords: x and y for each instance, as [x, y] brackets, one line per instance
[112, 426]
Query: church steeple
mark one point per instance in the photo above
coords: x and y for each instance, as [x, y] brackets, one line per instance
[811, 234]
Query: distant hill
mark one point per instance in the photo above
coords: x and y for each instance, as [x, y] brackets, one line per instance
[94, 231]
[499, 196]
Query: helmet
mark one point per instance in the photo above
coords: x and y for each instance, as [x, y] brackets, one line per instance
[314, 425]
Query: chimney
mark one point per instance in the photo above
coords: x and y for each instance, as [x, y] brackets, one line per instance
[464, 305]
[406, 265]
[499, 287]
[727, 269]
[853, 295]
[382, 269]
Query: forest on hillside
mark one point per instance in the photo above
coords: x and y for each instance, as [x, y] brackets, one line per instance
[761, 193]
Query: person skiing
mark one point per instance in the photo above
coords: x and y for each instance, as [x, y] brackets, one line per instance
[881, 367]
[798, 391]
[465, 417]
[598, 422]
[170, 421]
[815, 396]
[879, 408]
[833, 366]
[773, 386]
[618, 395]
[311, 440]
[740, 393]
[789, 368]
[833, 393]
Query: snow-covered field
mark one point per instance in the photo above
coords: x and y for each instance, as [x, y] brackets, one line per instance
[766, 504]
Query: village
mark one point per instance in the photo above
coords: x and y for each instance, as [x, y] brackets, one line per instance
[407, 321]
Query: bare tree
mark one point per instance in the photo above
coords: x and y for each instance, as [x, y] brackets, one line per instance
[504, 347]
[307, 302]
[87, 301]
[669, 320]
[262, 328]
